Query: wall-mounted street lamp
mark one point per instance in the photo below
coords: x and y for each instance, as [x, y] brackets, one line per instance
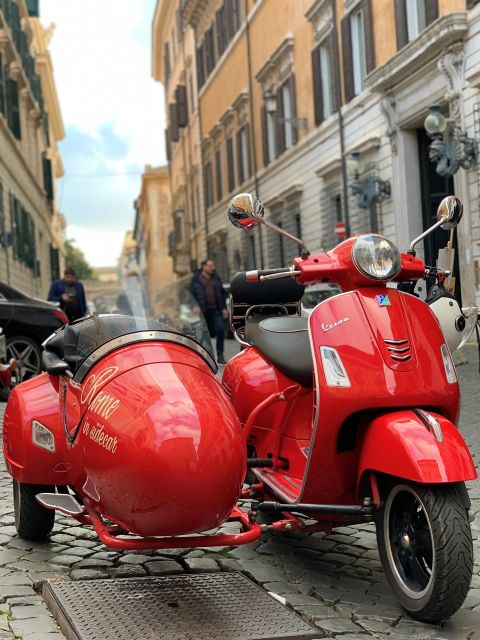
[450, 148]
[369, 189]
[270, 101]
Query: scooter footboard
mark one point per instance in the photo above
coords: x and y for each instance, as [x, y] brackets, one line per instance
[408, 444]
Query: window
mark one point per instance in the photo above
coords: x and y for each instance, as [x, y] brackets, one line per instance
[201, 66]
[209, 50]
[337, 204]
[415, 17]
[286, 112]
[243, 154]
[287, 115]
[47, 177]
[269, 131]
[222, 30]
[230, 165]
[208, 185]
[54, 263]
[358, 50]
[13, 108]
[323, 81]
[23, 229]
[218, 171]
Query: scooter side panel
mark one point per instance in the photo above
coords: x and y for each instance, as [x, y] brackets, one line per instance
[399, 444]
[163, 451]
[35, 399]
[375, 383]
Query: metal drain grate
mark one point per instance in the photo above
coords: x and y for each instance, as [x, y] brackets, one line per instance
[223, 606]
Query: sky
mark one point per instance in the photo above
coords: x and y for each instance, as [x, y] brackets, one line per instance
[113, 112]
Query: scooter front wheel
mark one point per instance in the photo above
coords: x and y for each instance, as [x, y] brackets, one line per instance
[32, 520]
[425, 545]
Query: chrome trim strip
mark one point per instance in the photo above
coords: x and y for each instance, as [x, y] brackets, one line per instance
[398, 350]
[394, 342]
[400, 358]
[142, 336]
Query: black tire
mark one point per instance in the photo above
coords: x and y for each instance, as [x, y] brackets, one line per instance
[28, 355]
[32, 521]
[425, 545]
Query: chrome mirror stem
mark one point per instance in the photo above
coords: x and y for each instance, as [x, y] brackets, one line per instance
[411, 248]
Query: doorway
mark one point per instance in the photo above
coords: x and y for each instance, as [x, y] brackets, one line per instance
[434, 189]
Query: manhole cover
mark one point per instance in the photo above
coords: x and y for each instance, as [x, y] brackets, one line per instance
[223, 606]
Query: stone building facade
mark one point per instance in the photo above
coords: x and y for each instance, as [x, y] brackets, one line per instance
[153, 226]
[343, 76]
[31, 227]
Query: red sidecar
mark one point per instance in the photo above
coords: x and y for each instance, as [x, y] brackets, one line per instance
[128, 430]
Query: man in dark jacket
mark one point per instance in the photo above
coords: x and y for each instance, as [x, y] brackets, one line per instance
[70, 294]
[207, 289]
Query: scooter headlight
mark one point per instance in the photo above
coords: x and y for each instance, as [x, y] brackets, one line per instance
[376, 257]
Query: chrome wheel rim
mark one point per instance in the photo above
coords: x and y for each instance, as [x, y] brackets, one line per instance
[27, 357]
[409, 541]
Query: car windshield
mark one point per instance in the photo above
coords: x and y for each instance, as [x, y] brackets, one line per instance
[139, 311]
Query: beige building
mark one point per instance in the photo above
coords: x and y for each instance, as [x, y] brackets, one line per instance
[173, 64]
[153, 228]
[31, 227]
[287, 90]
[128, 260]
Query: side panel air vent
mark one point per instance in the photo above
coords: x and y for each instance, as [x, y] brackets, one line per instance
[227, 388]
[399, 350]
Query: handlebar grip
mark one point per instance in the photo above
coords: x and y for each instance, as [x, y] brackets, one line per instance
[255, 276]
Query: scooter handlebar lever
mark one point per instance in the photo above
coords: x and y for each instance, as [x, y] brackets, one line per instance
[270, 274]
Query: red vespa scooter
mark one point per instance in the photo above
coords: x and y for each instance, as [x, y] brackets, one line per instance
[351, 414]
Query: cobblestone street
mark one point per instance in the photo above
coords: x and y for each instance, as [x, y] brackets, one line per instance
[334, 581]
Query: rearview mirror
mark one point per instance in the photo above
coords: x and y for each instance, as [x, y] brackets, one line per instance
[450, 211]
[243, 213]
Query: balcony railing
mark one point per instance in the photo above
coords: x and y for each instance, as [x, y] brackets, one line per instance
[10, 15]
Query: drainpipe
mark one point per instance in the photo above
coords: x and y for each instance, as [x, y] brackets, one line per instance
[252, 124]
[346, 207]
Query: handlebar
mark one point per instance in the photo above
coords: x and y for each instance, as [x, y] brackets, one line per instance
[259, 275]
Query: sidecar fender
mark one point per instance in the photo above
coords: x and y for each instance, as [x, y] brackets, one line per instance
[36, 399]
[401, 444]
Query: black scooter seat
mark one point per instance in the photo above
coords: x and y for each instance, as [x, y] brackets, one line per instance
[285, 342]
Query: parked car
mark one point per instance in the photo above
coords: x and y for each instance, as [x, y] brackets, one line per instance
[26, 323]
[315, 294]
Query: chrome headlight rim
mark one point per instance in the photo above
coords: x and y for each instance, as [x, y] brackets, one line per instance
[396, 254]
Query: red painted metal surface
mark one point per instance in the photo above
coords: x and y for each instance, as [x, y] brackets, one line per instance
[399, 444]
[251, 532]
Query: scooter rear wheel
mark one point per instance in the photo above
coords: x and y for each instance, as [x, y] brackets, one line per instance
[425, 545]
[32, 520]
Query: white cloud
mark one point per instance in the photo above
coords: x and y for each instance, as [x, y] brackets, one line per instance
[101, 248]
[101, 52]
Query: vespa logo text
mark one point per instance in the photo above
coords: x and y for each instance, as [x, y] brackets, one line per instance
[104, 405]
[337, 323]
[95, 382]
[98, 435]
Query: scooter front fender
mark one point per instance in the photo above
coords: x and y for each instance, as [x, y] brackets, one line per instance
[401, 445]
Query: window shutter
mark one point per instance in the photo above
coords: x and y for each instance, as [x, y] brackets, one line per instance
[293, 107]
[230, 165]
[431, 11]
[230, 18]
[47, 177]
[200, 67]
[13, 111]
[241, 177]
[369, 35]
[218, 170]
[334, 71]
[280, 146]
[348, 84]
[401, 23]
[210, 50]
[174, 132]
[247, 138]
[168, 146]
[263, 119]
[317, 86]
[218, 32]
[2, 87]
[166, 62]
[182, 110]
[13, 223]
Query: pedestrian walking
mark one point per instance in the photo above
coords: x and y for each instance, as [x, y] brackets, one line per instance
[69, 292]
[207, 289]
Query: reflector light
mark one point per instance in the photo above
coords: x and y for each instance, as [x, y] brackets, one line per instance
[333, 368]
[448, 364]
[42, 437]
